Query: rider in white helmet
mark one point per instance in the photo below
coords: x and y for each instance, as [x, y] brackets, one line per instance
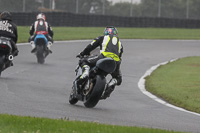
[41, 26]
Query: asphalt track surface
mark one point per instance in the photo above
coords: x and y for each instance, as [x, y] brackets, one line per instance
[31, 89]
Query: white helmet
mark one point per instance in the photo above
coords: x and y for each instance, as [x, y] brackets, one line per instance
[41, 16]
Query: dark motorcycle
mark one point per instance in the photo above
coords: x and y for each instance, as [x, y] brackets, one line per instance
[92, 89]
[42, 51]
[5, 53]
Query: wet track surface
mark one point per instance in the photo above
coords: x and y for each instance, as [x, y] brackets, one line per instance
[31, 89]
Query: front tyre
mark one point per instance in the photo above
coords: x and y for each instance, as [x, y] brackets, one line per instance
[72, 99]
[96, 93]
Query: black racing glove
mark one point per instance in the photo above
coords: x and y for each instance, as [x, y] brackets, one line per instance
[80, 55]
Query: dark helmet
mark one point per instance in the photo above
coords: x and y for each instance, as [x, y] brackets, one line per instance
[6, 15]
[110, 30]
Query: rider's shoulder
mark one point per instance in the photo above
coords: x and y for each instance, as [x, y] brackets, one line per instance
[99, 37]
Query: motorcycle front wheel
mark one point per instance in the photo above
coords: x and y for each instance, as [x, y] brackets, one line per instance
[72, 99]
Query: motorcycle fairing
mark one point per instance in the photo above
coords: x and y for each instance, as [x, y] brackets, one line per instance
[40, 39]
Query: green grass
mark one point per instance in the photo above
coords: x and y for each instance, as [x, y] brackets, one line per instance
[77, 33]
[17, 124]
[178, 83]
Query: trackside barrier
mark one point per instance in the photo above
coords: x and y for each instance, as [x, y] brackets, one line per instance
[82, 20]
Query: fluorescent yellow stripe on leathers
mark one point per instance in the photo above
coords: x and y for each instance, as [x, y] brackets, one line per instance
[111, 55]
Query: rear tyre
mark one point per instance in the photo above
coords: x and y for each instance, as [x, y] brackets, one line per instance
[1, 64]
[96, 93]
[40, 55]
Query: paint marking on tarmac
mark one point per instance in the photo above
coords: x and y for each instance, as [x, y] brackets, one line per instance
[58, 42]
[141, 85]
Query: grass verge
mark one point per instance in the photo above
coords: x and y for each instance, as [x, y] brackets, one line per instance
[77, 33]
[178, 83]
[17, 124]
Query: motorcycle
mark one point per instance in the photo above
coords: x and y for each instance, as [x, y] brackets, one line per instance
[42, 51]
[6, 56]
[93, 88]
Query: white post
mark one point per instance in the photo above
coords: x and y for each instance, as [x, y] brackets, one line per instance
[77, 6]
[53, 4]
[187, 10]
[42, 3]
[24, 5]
[103, 7]
[50, 2]
[159, 8]
[131, 9]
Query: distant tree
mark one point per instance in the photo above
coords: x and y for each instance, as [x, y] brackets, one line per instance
[66, 5]
[146, 8]
[173, 8]
[17, 5]
[11, 5]
[124, 9]
[149, 8]
[84, 6]
[194, 9]
[120, 9]
[32, 5]
[169, 8]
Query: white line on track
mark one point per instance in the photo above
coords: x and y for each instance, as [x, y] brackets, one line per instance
[67, 41]
[141, 85]
[58, 42]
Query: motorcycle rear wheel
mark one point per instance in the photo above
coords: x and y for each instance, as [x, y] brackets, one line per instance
[40, 55]
[1, 64]
[94, 97]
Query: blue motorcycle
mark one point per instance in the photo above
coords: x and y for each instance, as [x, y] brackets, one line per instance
[42, 51]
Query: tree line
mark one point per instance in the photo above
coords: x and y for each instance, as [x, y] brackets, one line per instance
[146, 8]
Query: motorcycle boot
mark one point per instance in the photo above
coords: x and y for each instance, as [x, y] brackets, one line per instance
[110, 88]
[15, 52]
[84, 75]
[49, 46]
[33, 47]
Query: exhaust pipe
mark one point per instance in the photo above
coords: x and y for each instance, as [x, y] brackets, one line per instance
[10, 57]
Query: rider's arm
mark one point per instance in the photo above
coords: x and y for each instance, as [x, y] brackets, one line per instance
[32, 29]
[94, 44]
[16, 35]
[15, 38]
[50, 31]
[121, 51]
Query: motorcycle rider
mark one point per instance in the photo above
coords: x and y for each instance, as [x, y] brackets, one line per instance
[41, 26]
[110, 47]
[8, 30]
